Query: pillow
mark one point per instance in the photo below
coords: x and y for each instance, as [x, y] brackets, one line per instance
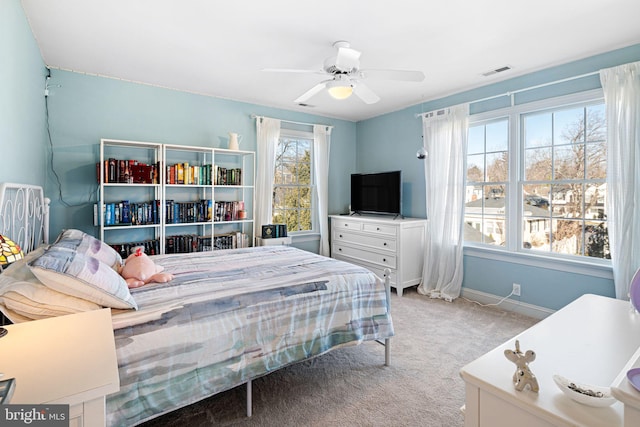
[85, 244]
[36, 301]
[82, 276]
[24, 298]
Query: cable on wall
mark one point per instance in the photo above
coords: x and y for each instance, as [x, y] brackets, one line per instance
[47, 85]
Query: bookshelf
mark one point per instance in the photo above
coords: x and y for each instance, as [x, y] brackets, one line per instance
[186, 198]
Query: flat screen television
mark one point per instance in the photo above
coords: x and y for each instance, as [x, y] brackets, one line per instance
[378, 193]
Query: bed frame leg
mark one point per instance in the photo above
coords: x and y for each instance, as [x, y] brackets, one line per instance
[249, 400]
[387, 341]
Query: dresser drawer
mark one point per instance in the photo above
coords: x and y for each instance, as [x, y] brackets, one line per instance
[379, 229]
[365, 255]
[377, 242]
[346, 224]
[378, 271]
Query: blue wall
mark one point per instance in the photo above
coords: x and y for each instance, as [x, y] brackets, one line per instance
[85, 108]
[390, 142]
[23, 143]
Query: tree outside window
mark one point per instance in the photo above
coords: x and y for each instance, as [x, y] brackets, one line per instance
[561, 159]
[292, 188]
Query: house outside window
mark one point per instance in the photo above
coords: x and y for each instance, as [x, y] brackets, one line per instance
[293, 182]
[536, 179]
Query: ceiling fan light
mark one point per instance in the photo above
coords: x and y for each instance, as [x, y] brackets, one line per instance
[340, 92]
[340, 89]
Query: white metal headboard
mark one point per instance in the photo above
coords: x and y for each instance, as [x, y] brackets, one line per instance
[24, 215]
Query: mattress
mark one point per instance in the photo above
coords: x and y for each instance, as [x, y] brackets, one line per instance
[235, 315]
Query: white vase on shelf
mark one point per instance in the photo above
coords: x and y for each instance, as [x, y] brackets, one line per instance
[234, 141]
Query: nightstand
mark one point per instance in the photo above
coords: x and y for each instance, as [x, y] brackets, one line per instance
[63, 360]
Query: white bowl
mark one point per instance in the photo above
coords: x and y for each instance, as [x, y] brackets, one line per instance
[583, 393]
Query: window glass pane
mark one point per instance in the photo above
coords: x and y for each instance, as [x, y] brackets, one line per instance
[537, 164]
[567, 237]
[568, 126]
[535, 200]
[596, 123]
[568, 161]
[498, 136]
[497, 166]
[475, 168]
[596, 160]
[535, 233]
[292, 203]
[475, 140]
[594, 201]
[597, 240]
[567, 200]
[537, 130]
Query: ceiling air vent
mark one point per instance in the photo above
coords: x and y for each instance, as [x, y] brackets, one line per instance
[497, 70]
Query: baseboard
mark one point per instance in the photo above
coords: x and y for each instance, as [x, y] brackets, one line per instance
[510, 304]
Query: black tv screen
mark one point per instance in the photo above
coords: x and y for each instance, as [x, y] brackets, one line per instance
[377, 192]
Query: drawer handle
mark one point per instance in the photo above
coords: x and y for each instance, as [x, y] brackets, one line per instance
[340, 249]
[341, 236]
[384, 244]
[384, 259]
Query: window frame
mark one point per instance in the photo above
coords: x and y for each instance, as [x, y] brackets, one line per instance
[306, 135]
[513, 250]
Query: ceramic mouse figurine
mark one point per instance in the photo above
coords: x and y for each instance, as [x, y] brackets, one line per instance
[139, 270]
[523, 376]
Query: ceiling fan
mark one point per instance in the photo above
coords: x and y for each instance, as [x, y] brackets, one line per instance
[346, 77]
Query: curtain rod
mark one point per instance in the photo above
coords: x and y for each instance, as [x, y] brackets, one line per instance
[254, 116]
[513, 92]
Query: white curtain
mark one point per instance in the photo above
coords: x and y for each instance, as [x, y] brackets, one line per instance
[445, 139]
[321, 146]
[622, 98]
[268, 134]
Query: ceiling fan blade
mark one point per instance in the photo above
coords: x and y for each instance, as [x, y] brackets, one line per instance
[363, 92]
[347, 59]
[311, 92]
[292, 70]
[404, 75]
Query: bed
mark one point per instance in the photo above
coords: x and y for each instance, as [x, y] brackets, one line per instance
[227, 317]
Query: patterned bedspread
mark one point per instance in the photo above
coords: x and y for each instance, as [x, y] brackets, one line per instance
[235, 315]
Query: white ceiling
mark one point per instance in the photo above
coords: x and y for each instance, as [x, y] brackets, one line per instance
[219, 48]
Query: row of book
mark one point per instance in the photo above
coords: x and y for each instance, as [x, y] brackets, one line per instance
[229, 211]
[128, 172]
[186, 243]
[187, 174]
[184, 173]
[125, 213]
[185, 212]
[151, 247]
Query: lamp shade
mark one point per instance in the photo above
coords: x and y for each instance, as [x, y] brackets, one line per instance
[340, 88]
[9, 251]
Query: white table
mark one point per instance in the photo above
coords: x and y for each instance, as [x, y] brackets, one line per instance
[627, 394]
[63, 360]
[590, 341]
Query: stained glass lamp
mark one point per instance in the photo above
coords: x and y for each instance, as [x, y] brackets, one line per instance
[9, 252]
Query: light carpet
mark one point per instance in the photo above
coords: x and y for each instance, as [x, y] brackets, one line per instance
[352, 387]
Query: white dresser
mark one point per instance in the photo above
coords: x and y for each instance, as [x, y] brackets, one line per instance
[377, 243]
[593, 340]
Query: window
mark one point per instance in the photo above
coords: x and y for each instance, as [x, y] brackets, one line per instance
[293, 183]
[487, 182]
[536, 180]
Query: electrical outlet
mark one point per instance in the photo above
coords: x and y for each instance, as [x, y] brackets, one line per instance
[516, 289]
